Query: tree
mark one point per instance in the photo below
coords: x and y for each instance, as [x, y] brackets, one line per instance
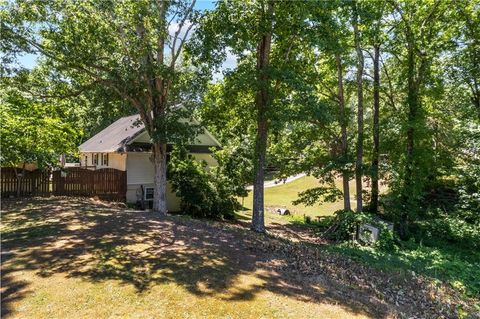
[465, 64]
[316, 140]
[343, 125]
[262, 103]
[33, 131]
[376, 129]
[373, 14]
[123, 46]
[360, 66]
[262, 35]
[418, 24]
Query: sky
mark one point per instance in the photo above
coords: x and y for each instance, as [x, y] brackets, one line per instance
[29, 60]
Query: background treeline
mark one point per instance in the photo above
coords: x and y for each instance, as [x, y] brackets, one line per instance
[383, 92]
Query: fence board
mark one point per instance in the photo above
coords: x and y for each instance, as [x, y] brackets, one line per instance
[16, 182]
[105, 183]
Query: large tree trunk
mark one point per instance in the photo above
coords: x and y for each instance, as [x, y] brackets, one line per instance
[258, 220]
[343, 124]
[359, 159]
[412, 103]
[262, 102]
[376, 128]
[160, 178]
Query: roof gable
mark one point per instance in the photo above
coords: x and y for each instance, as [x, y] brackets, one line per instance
[123, 132]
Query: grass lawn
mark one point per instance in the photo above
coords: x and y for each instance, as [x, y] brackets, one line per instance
[80, 258]
[73, 258]
[283, 195]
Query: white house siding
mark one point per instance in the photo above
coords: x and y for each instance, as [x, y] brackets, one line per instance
[201, 139]
[115, 160]
[142, 138]
[140, 171]
[207, 158]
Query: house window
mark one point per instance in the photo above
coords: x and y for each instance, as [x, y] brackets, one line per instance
[86, 159]
[95, 159]
[105, 159]
[149, 193]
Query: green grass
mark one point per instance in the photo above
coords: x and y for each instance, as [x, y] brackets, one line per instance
[283, 195]
[458, 266]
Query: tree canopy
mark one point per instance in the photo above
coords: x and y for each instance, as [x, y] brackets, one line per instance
[383, 92]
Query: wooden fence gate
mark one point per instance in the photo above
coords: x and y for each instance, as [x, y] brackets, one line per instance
[107, 183]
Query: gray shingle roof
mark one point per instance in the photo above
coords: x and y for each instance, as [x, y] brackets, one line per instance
[120, 133]
[115, 136]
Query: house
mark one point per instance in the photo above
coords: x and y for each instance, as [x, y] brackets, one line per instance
[125, 145]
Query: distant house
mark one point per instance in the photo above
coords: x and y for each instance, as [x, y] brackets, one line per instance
[126, 146]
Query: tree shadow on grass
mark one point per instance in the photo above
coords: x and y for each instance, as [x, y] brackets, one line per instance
[84, 240]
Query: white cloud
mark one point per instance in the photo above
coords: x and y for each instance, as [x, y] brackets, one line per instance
[229, 64]
[173, 28]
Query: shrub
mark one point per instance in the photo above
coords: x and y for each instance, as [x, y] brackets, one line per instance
[451, 229]
[345, 224]
[204, 192]
[387, 240]
[468, 207]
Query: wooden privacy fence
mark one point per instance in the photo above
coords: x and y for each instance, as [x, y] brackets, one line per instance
[105, 183]
[16, 182]
[75, 181]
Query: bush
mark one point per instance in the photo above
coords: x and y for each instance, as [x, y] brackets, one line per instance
[204, 192]
[345, 224]
[387, 240]
[451, 229]
[468, 207]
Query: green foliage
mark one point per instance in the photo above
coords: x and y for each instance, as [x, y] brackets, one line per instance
[449, 263]
[235, 167]
[468, 207]
[387, 240]
[32, 130]
[318, 195]
[204, 193]
[448, 229]
[344, 226]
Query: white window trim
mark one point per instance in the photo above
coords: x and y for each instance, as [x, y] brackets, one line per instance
[105, 159]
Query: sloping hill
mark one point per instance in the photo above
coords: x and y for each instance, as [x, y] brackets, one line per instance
[81, 258]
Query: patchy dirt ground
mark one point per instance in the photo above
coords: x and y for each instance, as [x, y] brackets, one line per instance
[81, 258]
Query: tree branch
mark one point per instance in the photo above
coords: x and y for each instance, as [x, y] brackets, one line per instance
[390, 86]
[177, 33]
